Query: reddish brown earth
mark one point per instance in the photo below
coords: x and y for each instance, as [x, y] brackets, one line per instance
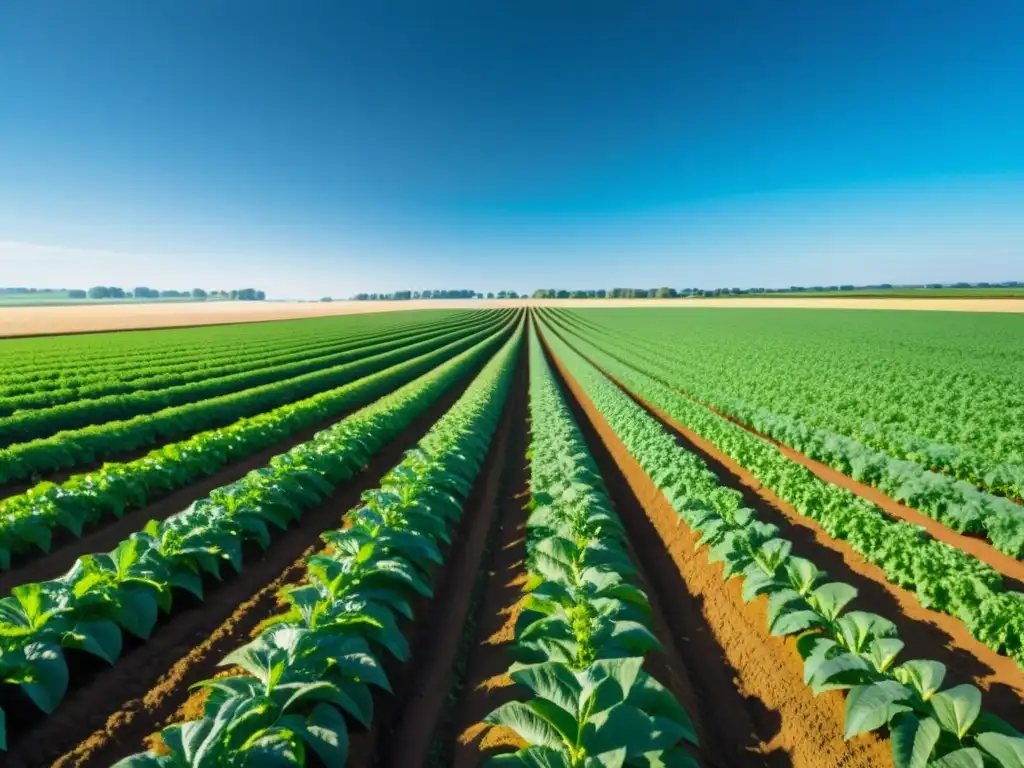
[417, 709]
[107, 716]
[743, 674]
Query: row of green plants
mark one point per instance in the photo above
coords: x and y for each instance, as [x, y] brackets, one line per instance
[305, 373]
[942, 392]
[956, 504]
[942, 577]
[89, 358]
[584, 626]
[102, 441]
[104, 595]
[296, 690]
[29, 521]
[842, 648]
[163, 374]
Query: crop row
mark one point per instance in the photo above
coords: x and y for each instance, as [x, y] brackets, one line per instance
[201, 365]
[90, 444]
[310, 670]
[103, 595]
[29, 521]
[945, 395]
[843, 649]
[942, 577]
[954, 503]
[50, 356]
[584, 625]
[34, 424]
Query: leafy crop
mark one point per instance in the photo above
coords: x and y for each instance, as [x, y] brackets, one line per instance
[954, 503]
[943, 577]
[131, 401]
[89, 444]
[102, 594]
[940, 391]
[584, 626]
[842, 649]
[28, 521]
[309, 673]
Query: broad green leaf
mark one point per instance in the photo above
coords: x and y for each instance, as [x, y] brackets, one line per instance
[924, 676]
[533, 728]
[50, 671]
[551, 681]
[100, 638]
[831, 598]
[1007, 750]
[869, 707]
[913, 739]
[957, 708]
[327, 735]
[961, 758]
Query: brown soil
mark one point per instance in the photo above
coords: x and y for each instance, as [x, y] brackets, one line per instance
[147, 685]
[108, 533]
[486, 686]
[415, 712]
[743, 675]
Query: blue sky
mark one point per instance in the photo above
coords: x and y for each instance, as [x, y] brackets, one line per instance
[327, 147]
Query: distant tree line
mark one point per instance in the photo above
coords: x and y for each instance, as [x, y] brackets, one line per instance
[417, 295]
[672, 293]
[143, 292]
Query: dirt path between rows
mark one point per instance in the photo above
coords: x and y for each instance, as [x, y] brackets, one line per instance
[463, 741]
[418, 707]
[743, 674]
[107, 717]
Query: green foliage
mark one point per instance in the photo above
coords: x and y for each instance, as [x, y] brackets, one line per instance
[584, 626]
[943, 577]
[30, 518]
[102, 595]
[843, 649]
[315, 666]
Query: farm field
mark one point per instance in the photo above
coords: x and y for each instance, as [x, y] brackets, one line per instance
[94, 317]
[534, 535]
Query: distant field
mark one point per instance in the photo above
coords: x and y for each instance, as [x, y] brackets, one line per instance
[92, 317]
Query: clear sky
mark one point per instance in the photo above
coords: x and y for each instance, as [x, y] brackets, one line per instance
[325, 147]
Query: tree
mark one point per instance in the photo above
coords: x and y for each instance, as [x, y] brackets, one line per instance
[77, 294]
[99, 292]
[513, 295]
[199, 293]
[490, 295]
[327, 299]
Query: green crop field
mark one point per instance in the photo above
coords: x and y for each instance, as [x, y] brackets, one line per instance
[581, 538]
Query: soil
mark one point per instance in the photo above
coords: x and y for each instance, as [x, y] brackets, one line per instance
[742, 675]
[53, 320]
[407, 739]
[109, 716]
